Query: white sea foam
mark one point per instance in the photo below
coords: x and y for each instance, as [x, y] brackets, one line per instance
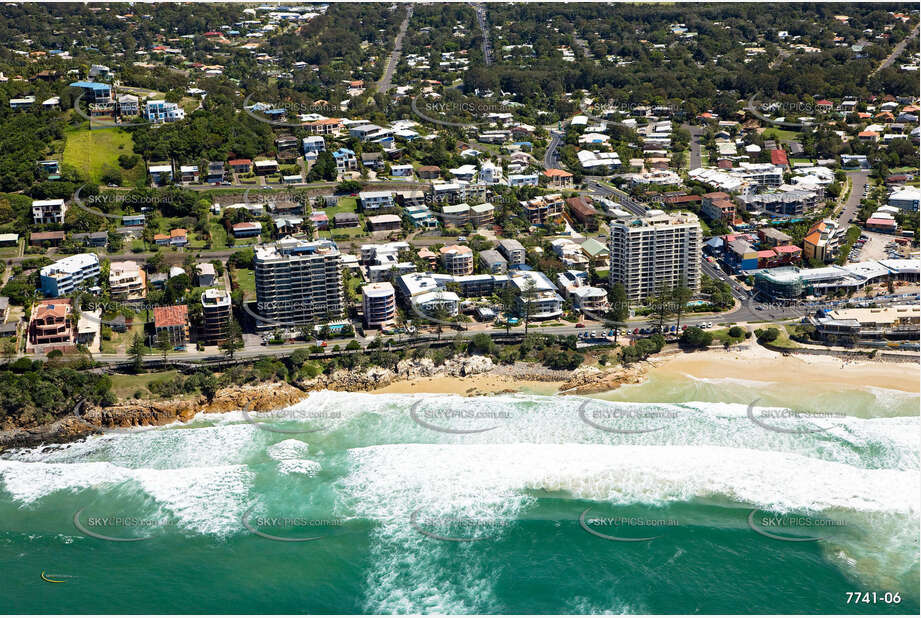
[204, 499]
[288, 449]
[299, 466]
[403, 477]
[389, 483]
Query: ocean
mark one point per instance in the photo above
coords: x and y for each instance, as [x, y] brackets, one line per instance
[673, 496]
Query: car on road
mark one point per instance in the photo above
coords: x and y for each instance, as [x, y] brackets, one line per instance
[580, 325]
[594, 334]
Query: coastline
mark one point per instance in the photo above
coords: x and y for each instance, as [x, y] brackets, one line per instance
[473, 376]
[754, 362]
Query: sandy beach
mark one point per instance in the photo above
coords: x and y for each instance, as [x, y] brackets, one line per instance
[471, 386]
[758, 363]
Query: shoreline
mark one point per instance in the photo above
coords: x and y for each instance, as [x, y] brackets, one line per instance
[477, 376]
[757, 363]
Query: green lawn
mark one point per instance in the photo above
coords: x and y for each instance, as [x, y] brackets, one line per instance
[345, 204]
[218, 235]
[92, 152]
[781, 134]
[126, 385]
[246, 280]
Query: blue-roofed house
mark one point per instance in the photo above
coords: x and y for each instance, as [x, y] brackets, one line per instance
[95, 92]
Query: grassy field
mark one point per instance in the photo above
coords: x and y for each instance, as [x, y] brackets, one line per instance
[781, 134]
[92, 152]
[125, 385]
[246, 280]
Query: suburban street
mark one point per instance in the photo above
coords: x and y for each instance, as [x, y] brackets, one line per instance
[897, 51]
[551, 158]
[393, 60]
[697, 134]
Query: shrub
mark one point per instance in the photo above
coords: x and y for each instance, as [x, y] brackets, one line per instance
[696, 337]
[736, 332]
[767, 335]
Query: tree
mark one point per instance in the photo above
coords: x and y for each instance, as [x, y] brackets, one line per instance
[234, 339]
[8, 349]
[528, 295]
[620, 306]
[137, 351]
[208, 386]
[696, 337]
[163, 343]
[680, 295]
[507, 298]
[660, 306]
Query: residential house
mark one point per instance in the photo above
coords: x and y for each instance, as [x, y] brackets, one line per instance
[174, 321]
[558, 179]
[48, 211]
[247, 229]
[160, 111]
[127, 281]
[582, 211]
[41, 239]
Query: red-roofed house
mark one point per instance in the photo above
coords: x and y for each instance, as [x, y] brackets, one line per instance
[560, 179]
[882, 225]
[50, 326]
[241, 166]
[174, 321]
[824, 105]
[779, 157]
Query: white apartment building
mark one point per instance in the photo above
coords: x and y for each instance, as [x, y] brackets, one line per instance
[48, 211]
[379, 302]
[127, 281]
[65, 275]
[536, 295]
[297, 282]
[655, 252]
[375, 200]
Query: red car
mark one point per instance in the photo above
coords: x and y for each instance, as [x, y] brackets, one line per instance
[580, 325]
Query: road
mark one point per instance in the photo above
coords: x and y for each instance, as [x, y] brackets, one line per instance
[383, 85]
[852, 205]
[697, 134]
[897, 51]
[551, 158]
[480, 11]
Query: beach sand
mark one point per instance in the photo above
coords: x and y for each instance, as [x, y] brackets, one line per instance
[758, 363]
[482, 384]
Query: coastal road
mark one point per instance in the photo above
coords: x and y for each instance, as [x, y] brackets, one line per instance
[383, 85]
[897, 51]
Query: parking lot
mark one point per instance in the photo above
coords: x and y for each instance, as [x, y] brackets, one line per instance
[876, 247]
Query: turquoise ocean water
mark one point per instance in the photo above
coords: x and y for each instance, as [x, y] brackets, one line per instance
[667, 498]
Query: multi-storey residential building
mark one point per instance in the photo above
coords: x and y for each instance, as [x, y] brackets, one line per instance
[575, 285]
[823, 240]
[513, 251]
[48, 211]
[375, 200]
[346, 161]
[379, 303]
[544, 208]
[482, 214]
[457, 215]
[174, 321]
[127, 281]
[65, 275]
[51, 323]
[159, 111]
[297, 282]
[216, 315]
[493, 262]
[522, 180]
[655, 252]
[536, 295]
[457, 259]
[788, 203]
[718, 207]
